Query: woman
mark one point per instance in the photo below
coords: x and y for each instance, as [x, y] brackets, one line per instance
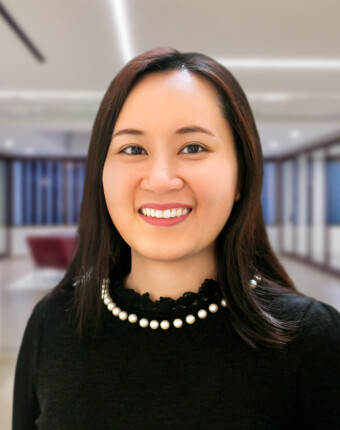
[175, 313]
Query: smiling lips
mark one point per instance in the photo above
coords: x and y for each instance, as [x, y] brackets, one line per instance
[165, 210]
[168, 213]
[164, 214]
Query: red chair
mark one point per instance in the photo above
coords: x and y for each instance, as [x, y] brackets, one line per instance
[53, 252]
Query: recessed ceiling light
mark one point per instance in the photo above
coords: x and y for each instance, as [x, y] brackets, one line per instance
[273, 143]
[270, 97]
[39, 96]
[120, 16]
[295, 134]
[9, 143]
[281, 63]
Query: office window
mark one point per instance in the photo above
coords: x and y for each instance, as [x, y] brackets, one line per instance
[3, 194]
[295, 191]
[47, 192]
[268, 195]
[3, 206]
[309, 191]
[57, 191]
[333, 191]
[17, 193]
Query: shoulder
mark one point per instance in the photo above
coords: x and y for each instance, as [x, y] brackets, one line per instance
[314, 360]
[320, 317]
[318, 322]
[291, 305]
[50, 320]
[52, 309]
[320, 328]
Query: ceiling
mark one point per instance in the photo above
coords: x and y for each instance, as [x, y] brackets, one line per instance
[285, 55]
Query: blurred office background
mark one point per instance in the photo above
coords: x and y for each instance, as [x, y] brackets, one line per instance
[57, 59]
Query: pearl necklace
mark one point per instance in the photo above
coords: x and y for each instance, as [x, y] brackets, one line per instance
[164, 324]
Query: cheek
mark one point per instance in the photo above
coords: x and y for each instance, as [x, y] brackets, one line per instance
[113, 193]
[218, 184]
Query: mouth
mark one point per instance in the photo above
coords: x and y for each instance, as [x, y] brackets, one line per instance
[164, 214]
[159, 220]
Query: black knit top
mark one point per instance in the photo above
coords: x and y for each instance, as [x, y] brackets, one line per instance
[199, 376]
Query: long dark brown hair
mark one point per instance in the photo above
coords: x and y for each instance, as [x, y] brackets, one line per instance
[242, 248]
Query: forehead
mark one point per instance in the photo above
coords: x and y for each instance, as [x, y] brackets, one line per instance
[172, 93]
[180, 80]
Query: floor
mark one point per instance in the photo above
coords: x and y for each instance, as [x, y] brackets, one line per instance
[21, 288]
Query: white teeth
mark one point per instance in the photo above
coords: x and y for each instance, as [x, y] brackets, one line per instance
[168, 213]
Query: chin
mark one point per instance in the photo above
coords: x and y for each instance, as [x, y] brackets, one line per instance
[162, 254]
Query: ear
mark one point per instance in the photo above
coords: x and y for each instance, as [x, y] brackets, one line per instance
[237, 197]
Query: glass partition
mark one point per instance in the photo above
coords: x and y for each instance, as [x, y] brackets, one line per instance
[333, 209]
[3, 207]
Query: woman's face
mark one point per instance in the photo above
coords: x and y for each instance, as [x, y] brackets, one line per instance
[171, 145]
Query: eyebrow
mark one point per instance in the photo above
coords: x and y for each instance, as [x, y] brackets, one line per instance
[130, 131]
[194, 129]
[182, 130]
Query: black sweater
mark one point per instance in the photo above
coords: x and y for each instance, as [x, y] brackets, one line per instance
[199, 376]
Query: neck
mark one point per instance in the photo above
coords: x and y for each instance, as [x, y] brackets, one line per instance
[171, 279]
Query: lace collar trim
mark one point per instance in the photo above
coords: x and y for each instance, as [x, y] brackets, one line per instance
[133, 301]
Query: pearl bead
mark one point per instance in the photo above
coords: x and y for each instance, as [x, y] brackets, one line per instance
[178, 323]
[213, 308]
[154, 324]
[116, 311]
[123, 315]
[132, 318]
[165, 325]
[190, 319]
[253, 283]
[143, 322]
[202, 313]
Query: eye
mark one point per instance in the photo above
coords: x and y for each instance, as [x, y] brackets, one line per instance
[134, 152]
[192, 145]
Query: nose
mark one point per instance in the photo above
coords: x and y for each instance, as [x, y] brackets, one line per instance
[160, 176]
